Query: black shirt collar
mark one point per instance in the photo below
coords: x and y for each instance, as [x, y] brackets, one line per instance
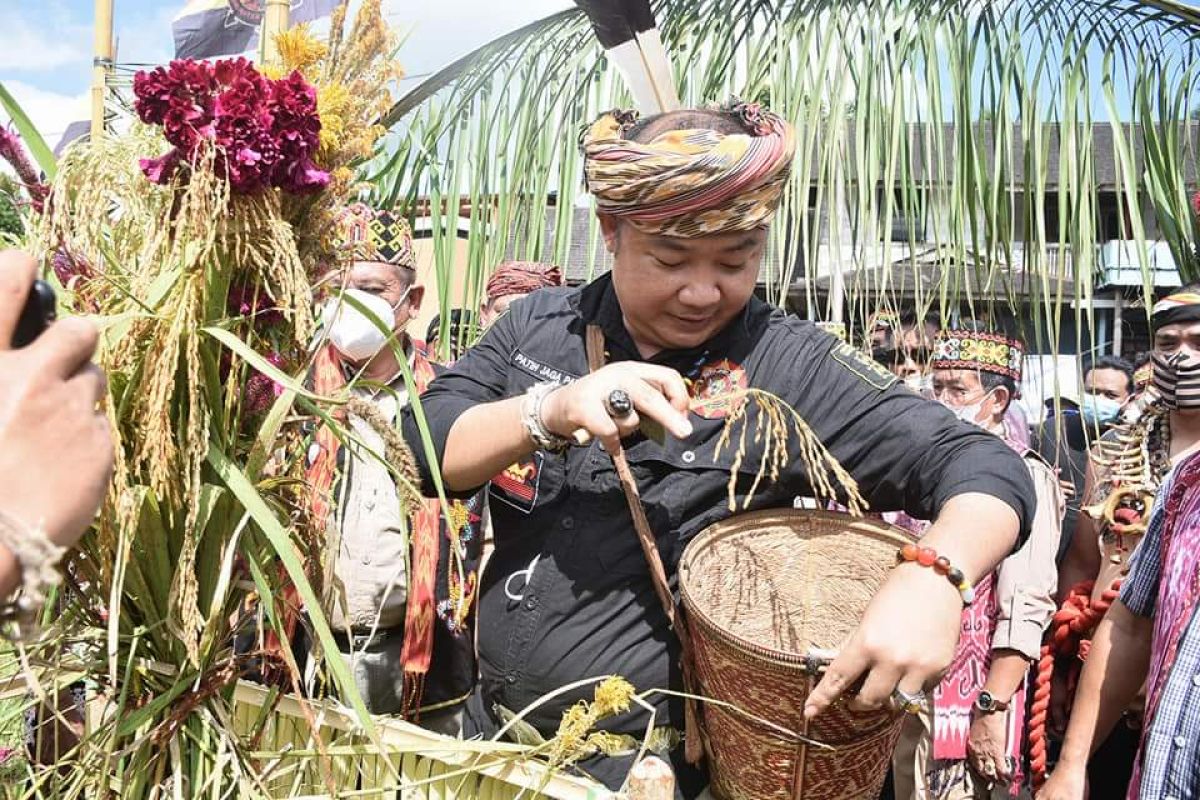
[597, 304]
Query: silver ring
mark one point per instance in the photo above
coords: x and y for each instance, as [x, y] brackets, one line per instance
[618, 404]
[909, 703]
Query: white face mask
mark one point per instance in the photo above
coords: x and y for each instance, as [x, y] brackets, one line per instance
[353, 333]
[970, 413]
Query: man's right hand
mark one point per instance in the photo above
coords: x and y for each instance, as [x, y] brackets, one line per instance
[1067, 782]
[656, 392]
[56, 447]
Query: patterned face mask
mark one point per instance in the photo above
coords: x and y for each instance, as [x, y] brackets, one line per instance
[1177, 379]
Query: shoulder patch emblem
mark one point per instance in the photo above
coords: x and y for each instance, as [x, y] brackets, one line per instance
[862, 366]
[518, 484]
[713, 388]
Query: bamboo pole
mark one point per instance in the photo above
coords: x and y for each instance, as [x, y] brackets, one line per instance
[275, 21]
[102, 62]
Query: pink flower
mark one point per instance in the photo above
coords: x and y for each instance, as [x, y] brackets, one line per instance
[251, 301]
[13, 151]
[68, 266]
[159, 170]
[261, 391]
[267, 132]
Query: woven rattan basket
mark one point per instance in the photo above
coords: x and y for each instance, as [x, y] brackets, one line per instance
[769, 597]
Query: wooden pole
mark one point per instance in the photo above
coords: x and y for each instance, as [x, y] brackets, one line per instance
[1118, 320]
[275, 21]
[651, 779]
[102, 62]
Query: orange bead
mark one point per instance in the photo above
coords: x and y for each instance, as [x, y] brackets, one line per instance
[909, 552]
[926, 556]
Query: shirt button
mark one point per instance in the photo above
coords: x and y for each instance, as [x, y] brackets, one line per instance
[1180, 741]
[689, 456]
[568, 522]
[530, 603]
[366, 559]
[510, 679]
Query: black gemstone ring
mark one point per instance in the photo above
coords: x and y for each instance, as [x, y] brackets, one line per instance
[618, 404]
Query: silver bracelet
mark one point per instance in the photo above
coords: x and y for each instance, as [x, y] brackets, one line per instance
[37, 556]
[531, 416]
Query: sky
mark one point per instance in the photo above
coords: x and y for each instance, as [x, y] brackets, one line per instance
[46, 47]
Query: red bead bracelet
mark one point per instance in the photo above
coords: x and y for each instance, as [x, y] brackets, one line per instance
[928, 557]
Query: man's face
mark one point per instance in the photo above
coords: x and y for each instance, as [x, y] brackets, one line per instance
[677, 293]
[1181, 337]
[388, 282]
[493, 310]
[1110, 383]
[961, 388]
[907, 353]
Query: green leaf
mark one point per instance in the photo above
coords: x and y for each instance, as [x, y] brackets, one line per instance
[256, 507]
[38, 148]
[247, 354]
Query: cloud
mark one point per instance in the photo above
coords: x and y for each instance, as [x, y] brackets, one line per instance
[41, 43]
[146, 39]
[441, 32]
[51, 112]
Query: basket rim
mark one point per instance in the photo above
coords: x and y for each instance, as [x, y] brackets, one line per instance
[723, 528]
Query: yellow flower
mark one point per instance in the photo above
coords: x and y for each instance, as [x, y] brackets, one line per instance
[613, 697]
[333, 101]
[298, 49]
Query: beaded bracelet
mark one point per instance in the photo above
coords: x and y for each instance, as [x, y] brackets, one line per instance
[928, 557]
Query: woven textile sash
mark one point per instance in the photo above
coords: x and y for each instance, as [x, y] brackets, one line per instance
[1178, 591]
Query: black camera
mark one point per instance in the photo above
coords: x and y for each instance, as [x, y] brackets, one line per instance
[39, 311]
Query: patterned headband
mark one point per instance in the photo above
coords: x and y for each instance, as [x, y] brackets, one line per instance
[983, 352]
[690, 182]
[521, 277]
[367, 234]
[1181, 307]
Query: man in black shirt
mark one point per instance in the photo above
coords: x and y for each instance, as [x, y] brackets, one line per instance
[684, 199]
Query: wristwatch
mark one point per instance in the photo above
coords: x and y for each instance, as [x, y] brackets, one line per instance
[986, 703]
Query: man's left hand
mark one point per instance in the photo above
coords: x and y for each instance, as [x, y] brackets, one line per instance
[986, 751]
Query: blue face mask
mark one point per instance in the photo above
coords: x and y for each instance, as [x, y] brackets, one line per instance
[1099, 410]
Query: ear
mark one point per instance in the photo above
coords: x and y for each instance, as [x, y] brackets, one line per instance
[610, 227]
[415, 295]
[1002, 398]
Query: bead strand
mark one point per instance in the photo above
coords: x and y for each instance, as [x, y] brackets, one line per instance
[928, 557]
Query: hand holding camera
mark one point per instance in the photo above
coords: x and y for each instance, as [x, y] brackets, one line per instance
[56, 449]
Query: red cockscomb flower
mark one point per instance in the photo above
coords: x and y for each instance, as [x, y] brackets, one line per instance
[266, 131]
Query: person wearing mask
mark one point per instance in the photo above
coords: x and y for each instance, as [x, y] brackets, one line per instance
[684, 200]
[972, 738]
[1064, 438]
[1123, 543]
[511, 281]
[459, 336]
[56, 446]
[403, 580]
[902, 343]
